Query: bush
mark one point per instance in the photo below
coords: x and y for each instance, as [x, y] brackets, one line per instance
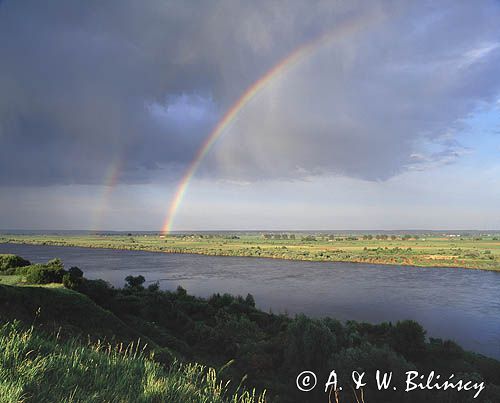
[45, 275]
[75, 272]
[155, 287]
[368, 358]
[12, 261]
[51, 272]
[250, 301]
[99, 291]
[73, 283]
[408, 339]
[73, 279]
[310, 343]
[135, 282]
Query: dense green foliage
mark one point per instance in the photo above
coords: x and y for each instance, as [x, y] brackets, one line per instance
[51, 272]
[73, 278]
[37, 368]
[11, 262]
[273, 349]
[268, 350]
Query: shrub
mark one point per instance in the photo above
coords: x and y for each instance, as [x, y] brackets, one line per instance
[368, 358]
[73, 279]
[12, 261]
[154, 287]
[310, 343]
[75, 272]
[51, 272]
[181, 292]
[408, 339]
[250, 301]
[71, 282]
[45, 274]
[99, 291]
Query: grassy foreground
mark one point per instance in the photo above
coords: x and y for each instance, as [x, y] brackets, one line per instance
[467, 251]
[37, 368]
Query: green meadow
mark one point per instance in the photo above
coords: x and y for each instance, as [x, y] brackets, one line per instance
[467, 251]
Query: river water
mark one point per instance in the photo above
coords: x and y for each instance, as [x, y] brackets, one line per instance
[459, 304]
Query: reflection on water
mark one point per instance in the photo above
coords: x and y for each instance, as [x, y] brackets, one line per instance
[463, 305]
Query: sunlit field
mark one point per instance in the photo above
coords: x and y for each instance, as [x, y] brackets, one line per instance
[468, 251]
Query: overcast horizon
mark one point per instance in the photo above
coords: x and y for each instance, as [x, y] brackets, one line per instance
[13, 231]
[377, 115]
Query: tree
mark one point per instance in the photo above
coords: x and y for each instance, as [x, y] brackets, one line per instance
[181, 291]
[310, 343]
[135, 282]
[75, 272]
[408, 339]
[154, 287]
[250, 301]
[73, 279]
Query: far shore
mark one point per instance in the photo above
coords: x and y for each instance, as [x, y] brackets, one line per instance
[466, 252]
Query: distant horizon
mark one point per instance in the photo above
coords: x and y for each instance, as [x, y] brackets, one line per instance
[408, 230]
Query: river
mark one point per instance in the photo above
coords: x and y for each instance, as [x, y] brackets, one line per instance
[459, 304]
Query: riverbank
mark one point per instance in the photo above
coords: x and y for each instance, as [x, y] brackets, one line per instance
[481, 253]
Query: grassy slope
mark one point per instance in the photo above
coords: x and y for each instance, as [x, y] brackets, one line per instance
[431, 251]
[62, 310]
[11, 280]
[80, 367]
[37, 368]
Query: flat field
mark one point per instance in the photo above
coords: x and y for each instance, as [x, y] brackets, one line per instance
[474, 252]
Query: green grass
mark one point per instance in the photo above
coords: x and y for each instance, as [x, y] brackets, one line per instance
[57, 309]
[37, 368]
[20, 281]
[427, 251]
[11, 280]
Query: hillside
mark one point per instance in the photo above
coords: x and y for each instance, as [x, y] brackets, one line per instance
[266, 350]
[38, 368]
[70, 313]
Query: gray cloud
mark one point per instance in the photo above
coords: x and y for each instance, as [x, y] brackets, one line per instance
[85, 84]
[366, 106]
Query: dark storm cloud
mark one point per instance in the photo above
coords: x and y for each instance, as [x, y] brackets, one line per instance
[86, 84]
[76, 79]
[367, 105]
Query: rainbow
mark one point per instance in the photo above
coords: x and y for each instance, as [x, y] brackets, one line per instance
[110, 182]
[346, 28]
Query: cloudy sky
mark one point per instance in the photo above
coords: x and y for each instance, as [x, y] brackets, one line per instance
[393, 123]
